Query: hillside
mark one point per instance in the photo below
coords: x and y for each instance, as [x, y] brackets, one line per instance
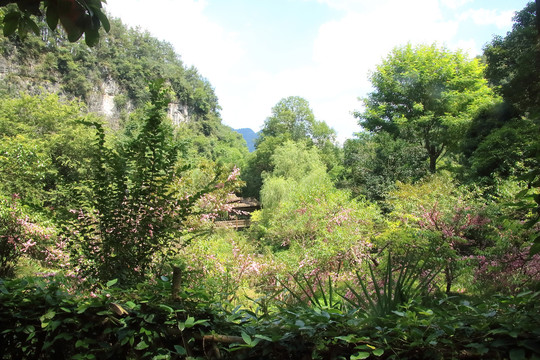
[112, 78]
[250, 136]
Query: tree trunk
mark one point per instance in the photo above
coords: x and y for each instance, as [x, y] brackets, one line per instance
[432, 163]
[448, 277]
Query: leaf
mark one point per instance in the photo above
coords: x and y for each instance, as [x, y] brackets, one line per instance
[180, 350]
[141, 346]
[112, 282]
[247, 338]
[32, 24]
[52, 17]
[45, 319]
[351, 338]
[517, 354]
[104, 21]
[167, 308]
[81, 343]
[360, 355]
[91, 37]
[378, 352]
[11, 22]
[262, 337]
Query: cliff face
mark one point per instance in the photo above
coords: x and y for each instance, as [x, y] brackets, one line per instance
[106, 98]
[111, 78]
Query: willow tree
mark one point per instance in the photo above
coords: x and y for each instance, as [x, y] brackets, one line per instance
[426, 95]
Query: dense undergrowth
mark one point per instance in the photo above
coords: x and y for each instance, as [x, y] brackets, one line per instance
[45, 318]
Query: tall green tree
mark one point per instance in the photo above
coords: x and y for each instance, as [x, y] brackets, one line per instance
[426, 95]
[514, 68]
[45, 150]
[373, 163]
[513, 62]
[292, 119]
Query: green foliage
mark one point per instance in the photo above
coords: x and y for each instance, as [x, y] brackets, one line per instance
[40, 318]
[425, 94]
[375, 162]
[512, 63]
[291, 120]
[312, 226]
[438, 216]
[513, 67]
[132, 215]
[45, 151]
[19, 235]
[380, 297]
[77, 18]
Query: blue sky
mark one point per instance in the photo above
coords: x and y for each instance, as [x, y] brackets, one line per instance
[255, 52]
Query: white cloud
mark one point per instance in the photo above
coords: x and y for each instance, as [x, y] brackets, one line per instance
[501, 19]
[454, 4]
[201, 42]
[344, 52]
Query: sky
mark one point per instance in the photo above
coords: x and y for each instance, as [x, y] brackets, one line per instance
[256, 52]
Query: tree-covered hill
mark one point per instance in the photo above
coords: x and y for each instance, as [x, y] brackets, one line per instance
[112, 77]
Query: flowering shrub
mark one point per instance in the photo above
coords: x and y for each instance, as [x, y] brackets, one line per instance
[215, 186]
[228, 266]
[19, 235]
[436, 215]
[510, 272]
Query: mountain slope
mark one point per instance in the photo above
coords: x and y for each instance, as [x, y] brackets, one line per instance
[250, 136]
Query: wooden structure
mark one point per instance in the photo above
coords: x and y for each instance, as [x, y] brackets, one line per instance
[241, 214]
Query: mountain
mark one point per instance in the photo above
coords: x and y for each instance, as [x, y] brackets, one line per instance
[112, 80]
[250, 136]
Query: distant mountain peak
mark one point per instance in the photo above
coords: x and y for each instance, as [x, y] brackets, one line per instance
[250, 136]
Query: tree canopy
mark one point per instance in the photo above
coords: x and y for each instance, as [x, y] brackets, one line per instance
[425, 94]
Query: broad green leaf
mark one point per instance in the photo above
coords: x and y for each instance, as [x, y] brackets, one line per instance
[104, 21]
[11, 22]
[378, 352]
[112, 282]
[81, 343]
[32, 25]
[91, 37]
[167, 308]
[246, 338]
[142, 345]
[180, 350]
[360, 355]
[262, 337]
[52, 17]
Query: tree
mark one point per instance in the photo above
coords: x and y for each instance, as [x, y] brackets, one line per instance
[513, 61]
[45, 150]
[425, 95]
[374, 162]
[514, 67]
[305, 213]
[76, 16]
[436, 215]
[292, 119]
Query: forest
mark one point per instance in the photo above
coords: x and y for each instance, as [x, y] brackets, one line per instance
[416, 239]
